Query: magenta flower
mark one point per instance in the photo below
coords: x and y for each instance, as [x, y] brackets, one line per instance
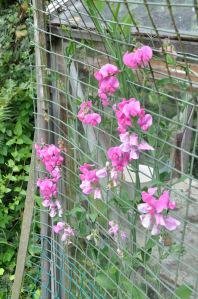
[152, 210]
[145, 120]
[106, 70]
[108, 85]
[90, 180]
[50, 156]
[127, 110]
[87, 116]
[107, 82]
[131, 145]
[138, 58]
[48, 189]
[103, 97]
[118, 158]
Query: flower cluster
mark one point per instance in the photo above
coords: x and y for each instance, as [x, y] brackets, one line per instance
[152, 210]
[130, 115]
[87, 116]
[108, 83]
[65, 229]
[90, 180]
[129, 110]
[140, 57]
[50, 156]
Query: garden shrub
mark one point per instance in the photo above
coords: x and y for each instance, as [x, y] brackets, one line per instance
[16, 130]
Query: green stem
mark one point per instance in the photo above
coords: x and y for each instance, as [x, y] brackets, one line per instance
[135, 215]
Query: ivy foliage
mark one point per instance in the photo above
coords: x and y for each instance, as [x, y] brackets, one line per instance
[16, 128]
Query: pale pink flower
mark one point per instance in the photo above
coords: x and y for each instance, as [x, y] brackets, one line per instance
[152, 210]
[97, 193]
[55, 208]
[131, 145]
[58, 227]
[67, 233]
[114, 176]
[101, 173]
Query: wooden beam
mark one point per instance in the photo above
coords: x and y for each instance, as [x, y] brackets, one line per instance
[42, 126]
[25, 231]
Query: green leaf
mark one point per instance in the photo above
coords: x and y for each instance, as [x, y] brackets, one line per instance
[18, 129]
[93, 217]
[11, 277]
[183, 292]
[170, 59]
[132, 290]
[37, 294]
[1, 271]
[19, 141]
[105, 281]
[100, 5]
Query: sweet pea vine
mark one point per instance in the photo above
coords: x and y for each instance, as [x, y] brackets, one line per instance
[130, 115]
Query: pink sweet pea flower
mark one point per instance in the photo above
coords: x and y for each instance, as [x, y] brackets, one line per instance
[131, 107]
[146, 55]
[87, 116]
[145, 121]
[90, 180]
[48, 188]
[127, 110]
[138, 58]
[131, 145]
[108, 86]
[101, 173]
[68, 232]
[106, 70]
[118, 158]
[152, 210]
[58, 227]
[50, 156]
[107, 82]
[92, 119]
[55, 208]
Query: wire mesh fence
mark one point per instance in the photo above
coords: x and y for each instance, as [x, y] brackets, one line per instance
[73, 40]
